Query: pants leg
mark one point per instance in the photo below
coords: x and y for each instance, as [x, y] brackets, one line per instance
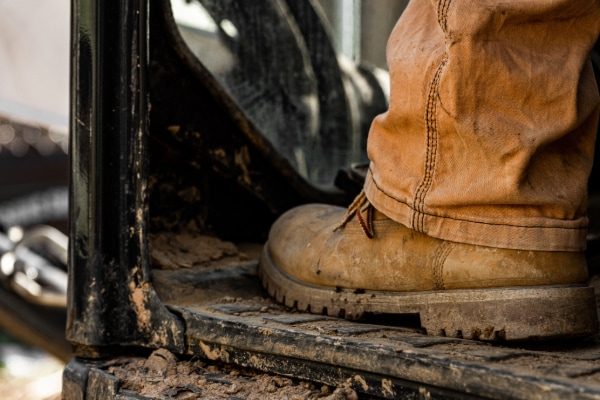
[490, 132]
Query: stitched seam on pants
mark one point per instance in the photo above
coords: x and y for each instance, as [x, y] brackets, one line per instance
[429, 214]
[431, 149]
[418, 218]
[442, 12]
[439, 258]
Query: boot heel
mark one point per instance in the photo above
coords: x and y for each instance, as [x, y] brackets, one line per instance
[511, 314]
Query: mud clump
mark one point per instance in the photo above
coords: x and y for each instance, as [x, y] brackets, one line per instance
[163, 375]
[161, 362]
[172, 251]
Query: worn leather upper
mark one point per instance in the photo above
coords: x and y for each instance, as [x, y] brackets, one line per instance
[305, 243]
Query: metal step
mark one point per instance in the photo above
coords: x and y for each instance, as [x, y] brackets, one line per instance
[229, 318]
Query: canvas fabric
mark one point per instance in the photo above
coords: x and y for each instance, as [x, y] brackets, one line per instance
[490, 132]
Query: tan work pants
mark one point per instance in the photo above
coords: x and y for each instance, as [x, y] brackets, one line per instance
[490, 132]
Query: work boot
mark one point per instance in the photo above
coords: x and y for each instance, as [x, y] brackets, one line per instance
[326, 260]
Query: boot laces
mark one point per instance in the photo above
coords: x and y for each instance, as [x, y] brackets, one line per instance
[363, 210]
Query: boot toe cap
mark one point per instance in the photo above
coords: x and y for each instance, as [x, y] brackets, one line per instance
[295, 238]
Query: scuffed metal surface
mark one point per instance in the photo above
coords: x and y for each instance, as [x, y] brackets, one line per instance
[111, 299]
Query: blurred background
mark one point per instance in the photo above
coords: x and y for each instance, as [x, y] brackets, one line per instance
[34, 126]
[361, 27]
[34, 112]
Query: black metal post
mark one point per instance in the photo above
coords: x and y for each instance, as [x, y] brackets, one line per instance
[111, 300]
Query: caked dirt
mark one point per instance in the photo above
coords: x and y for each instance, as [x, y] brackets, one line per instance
[173, 251]
[163, 376]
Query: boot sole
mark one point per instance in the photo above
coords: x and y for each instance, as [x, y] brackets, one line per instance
[497, 314]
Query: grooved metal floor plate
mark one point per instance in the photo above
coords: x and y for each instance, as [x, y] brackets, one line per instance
[235, 322]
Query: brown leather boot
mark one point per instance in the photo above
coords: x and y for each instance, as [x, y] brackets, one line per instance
[322, 259]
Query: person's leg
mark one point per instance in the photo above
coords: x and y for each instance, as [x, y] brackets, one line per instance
[473, 213]
[489, 137]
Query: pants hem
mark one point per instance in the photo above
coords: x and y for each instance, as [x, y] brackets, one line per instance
[523, 237]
